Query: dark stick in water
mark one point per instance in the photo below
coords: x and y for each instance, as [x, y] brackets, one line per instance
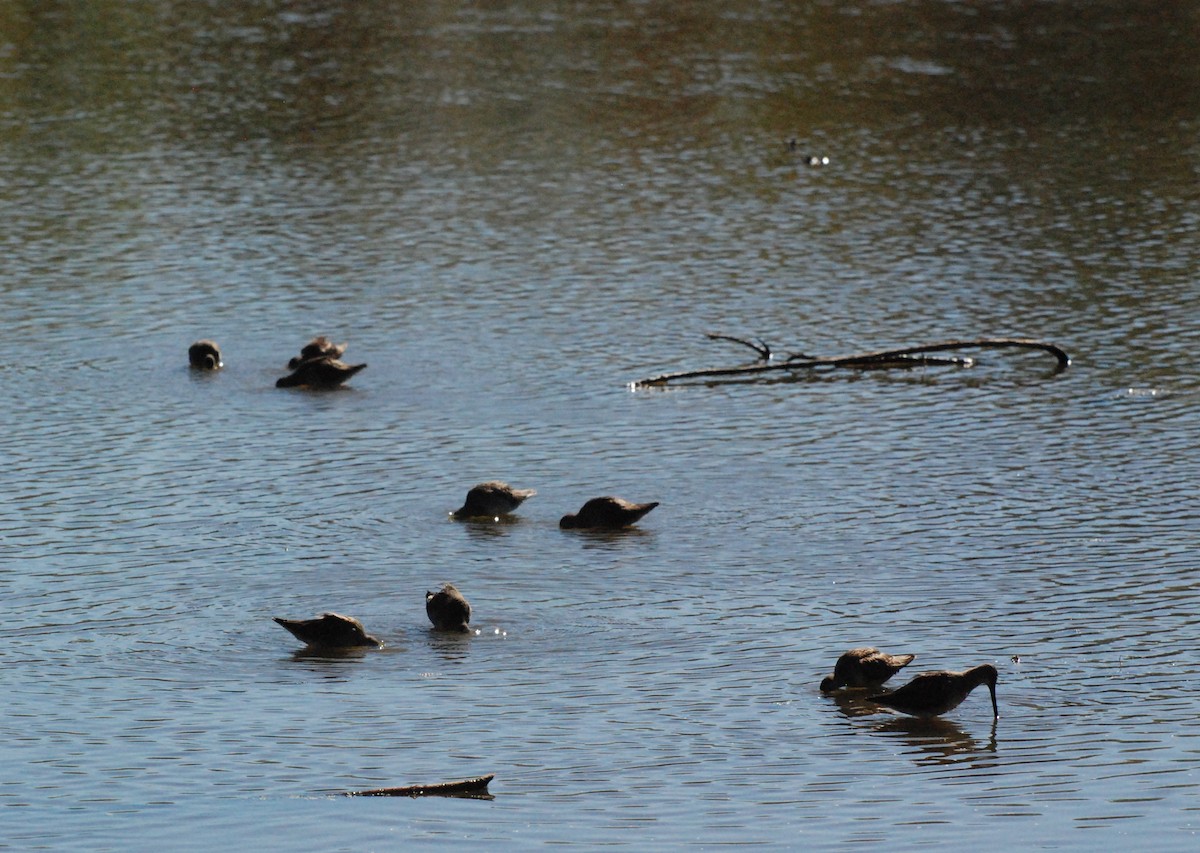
[904, 357]
[439, 789]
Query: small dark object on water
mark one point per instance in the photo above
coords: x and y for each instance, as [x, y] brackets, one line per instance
[318, 347]
[320, 372]
[932, 694]
[463, 787]
[447, 609]
[606, 513]
[488, 500]
[329, 630]
[204, 355]
[864, 668]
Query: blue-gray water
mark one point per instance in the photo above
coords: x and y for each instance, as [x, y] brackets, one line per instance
[511, 212]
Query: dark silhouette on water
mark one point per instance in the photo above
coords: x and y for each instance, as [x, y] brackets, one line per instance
[932, 694]
[204, 355]
[607, 513]
[491, 499]
[447, 609]
[318, 347]
[329, 630]
[475, 788]
[905, 357]
[320, 372]
[865, 667]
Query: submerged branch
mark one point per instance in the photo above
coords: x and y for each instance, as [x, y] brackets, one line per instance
[904, 357]
[463, 788]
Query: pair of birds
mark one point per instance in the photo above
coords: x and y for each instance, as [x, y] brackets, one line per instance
[494, 499]
[447, 609]
[930, 694]
[319, 364]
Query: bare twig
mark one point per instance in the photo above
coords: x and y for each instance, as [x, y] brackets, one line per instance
[905, 357]
[758, 345]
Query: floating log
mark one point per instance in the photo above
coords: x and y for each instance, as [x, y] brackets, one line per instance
[905, 357]
[461, 788]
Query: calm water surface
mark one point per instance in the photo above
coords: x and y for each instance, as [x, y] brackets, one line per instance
[511, 212]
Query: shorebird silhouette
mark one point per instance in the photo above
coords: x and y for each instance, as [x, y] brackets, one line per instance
[491, 499]
[606, 513]
[447, 609]
[932, 694]
[329, 630]
[318, 347]
[865, 667]
[319, 372]
[204, 355]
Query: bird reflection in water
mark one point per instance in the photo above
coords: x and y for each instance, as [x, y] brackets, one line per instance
[482, 529]
[600, 539]
[937, 740]
[853, 703]
[329, 653]
[333, 664]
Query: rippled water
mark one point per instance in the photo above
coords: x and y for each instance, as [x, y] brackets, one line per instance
[511, 213]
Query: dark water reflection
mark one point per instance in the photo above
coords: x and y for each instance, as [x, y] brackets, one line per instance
[511, 212]
[940, 741]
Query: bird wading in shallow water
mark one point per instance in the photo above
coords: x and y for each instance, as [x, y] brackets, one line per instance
[329, 630]
[865, 667]
[447, 609]
[204, 355]
[318, 347]
[491, 499]
[932, 694]
[319, 372]
[605, 513]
